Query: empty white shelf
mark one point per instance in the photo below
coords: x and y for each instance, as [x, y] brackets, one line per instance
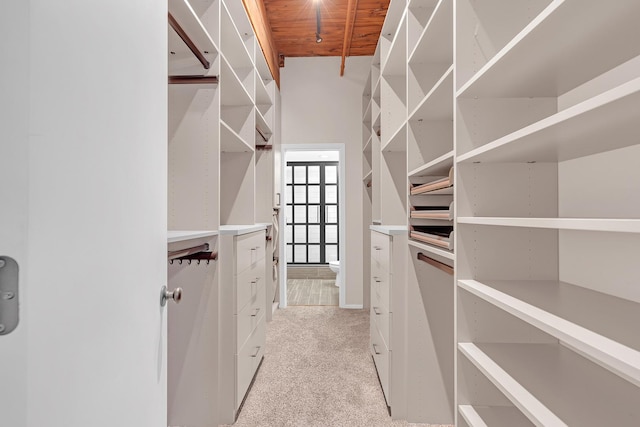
[436, 41]
[552, 385]
[439, 166]
[493, 416]
[397, 142]
[438, 103]
[538, 413]
[580, 224]
[232, 44]
[432, 249]
[262, 94]
[612, 355]
[232, 91]
[546, 59]
[230, 141]
[182, 235]
[367, 145]
[603, 123]
[396, 61]
[367, 176]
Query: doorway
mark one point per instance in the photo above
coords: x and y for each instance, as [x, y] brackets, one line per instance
[313, 214]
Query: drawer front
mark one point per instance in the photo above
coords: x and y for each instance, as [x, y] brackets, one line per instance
[380, 248]
[248, 359]
[382, 319]
[381, 286]
[250, 249]
[249, 317]
[247, 284]
[381, 358]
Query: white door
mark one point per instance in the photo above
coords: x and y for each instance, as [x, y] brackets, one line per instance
[83, 211]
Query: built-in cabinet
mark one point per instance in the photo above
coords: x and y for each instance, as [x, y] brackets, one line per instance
[243, 312]
[508, 147]
[223, 123]
[388, 346]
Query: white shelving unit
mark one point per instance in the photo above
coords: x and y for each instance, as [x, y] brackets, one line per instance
[218, 124]
[546, 213]
[537, 127]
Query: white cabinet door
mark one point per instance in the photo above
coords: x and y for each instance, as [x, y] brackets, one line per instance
[83, 212]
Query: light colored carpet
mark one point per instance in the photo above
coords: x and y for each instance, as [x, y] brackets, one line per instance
[317, 371]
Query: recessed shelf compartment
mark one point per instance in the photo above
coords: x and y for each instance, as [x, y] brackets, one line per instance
[440, 166]
[574, 316]
[262, 93]
[232, 91]
[367, 176]
[563, 59]
[397, 140]
[438, 104]
[231, 142]
[233, 43]
[552, 385]
[605, 122]
[435, 43]
[535, 410]
[580, 224]
[494, 416]
[396, 61]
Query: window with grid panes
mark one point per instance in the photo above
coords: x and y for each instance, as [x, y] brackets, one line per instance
[311, 212]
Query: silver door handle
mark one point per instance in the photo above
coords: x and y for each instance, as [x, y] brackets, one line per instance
[256, 312]
[376, 310]
[256, 353]
[375, 348]
[175, 295]
[9, 295]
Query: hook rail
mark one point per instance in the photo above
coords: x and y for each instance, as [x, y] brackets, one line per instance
[199, 256]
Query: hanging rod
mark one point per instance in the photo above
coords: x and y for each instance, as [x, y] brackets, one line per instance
[187, 40]
[435, 263]
[188, 251]
[262, 135]
[193, 80]
[264, 147]
[199, 256]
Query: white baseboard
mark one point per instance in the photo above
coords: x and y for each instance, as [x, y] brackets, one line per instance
[352, 306]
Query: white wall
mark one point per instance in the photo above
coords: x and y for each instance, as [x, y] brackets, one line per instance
[319, 106]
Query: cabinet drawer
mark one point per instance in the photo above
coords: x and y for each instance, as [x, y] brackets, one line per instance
[382, 319]
[248, 359]
[247, 284]
[380, 248]
[250, 316]
[381, 286]
[381, 358]
[250, 249]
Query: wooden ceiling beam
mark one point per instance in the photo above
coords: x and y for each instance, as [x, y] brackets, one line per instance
[348, 31]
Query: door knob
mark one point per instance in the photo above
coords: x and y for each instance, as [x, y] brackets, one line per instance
[165, 294]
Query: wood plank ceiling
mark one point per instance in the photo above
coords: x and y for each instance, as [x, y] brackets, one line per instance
[293, 26]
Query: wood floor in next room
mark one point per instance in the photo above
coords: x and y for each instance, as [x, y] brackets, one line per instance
[312, 292]
[317, 371]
